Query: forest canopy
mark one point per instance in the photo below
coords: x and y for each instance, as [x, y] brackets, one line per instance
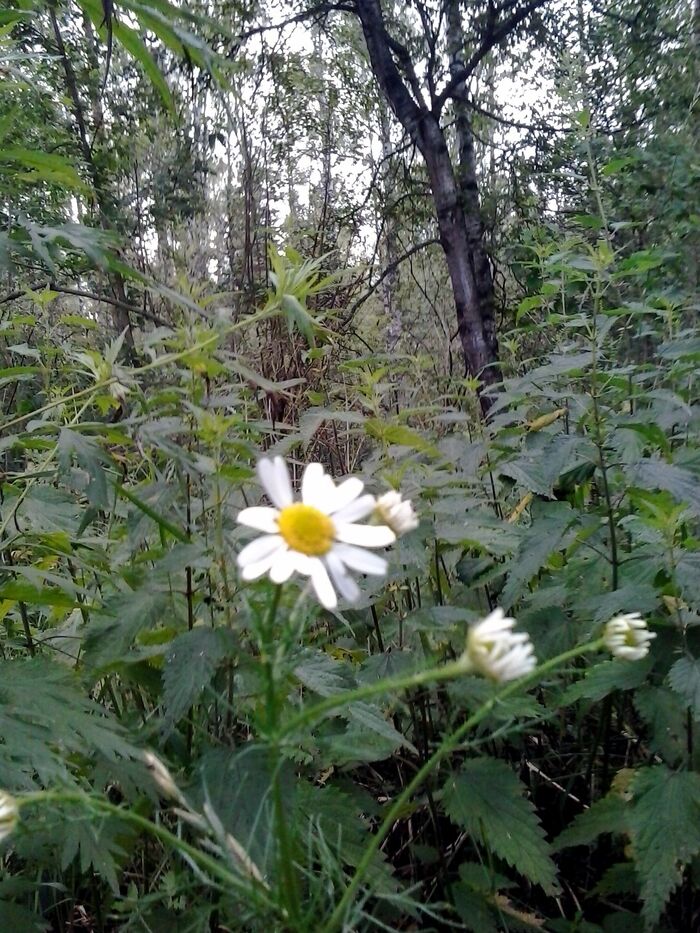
[350, 480]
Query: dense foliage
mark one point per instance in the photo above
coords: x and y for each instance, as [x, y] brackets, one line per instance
[222, 243]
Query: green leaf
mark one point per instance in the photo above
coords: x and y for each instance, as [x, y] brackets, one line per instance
[14, 917]
[134, 45]
[45, 166]
[664, 713]
[160, 520]
[688, 576]
[608, 815]
[606, 677]
[321, 673]
[542, 539]
[657, 474]
[237, 784]
[684, 678]
[119, 621]
[665, 824]
[45, 720]
[191, 661]
[487, 800]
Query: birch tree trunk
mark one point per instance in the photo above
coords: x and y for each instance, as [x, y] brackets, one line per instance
[473, 303]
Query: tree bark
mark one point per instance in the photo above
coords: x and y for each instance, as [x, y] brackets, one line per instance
[467, 179]
[474, 311]
[122, 319]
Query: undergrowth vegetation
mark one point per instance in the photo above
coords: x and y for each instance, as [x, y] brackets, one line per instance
[187, 744]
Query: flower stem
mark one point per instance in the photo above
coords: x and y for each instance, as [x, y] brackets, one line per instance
[288, 879]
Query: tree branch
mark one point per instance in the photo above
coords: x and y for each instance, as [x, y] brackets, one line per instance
[80, 293]
[387, 272]
[492, 38]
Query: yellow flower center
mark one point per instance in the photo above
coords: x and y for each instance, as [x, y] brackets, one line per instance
[306, 529]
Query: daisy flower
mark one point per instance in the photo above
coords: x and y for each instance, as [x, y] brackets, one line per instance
[396, 512]
[316, 537]
[627, 636]
[496, 651]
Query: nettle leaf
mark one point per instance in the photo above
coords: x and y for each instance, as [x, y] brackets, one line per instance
[487, 799]
[658, 474]
[607, 815]
[324, 675]
[339, 819]
[91, 457]
[372, 718]
[606, 677]
[542, 461]
[120, 620]
[688, 576]
[684, 678]
[45, 718]
[665, 715]
[540, 541]
[190, 664]
[237, 784]
[665, 824]
[99, 846]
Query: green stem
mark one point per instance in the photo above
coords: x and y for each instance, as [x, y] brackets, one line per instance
[289, 881]
[390, 685]
[448, 745]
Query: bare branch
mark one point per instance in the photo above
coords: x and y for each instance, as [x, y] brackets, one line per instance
[492, 38]
[387, 272]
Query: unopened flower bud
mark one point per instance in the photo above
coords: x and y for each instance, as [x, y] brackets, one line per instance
[393, 510]
[626, 636]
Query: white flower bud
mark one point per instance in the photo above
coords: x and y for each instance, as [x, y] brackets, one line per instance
[626, 636]
[496, 651]
[398, 513]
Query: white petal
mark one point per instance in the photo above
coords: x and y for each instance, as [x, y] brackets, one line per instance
[358, 509]
[318, 488]
[312, 483]
[303, 564]
[283, 567]
[284, 484]
[365, 535]
[253, 571]
[259, 517]
[358, 559]
[322, 584]
[346, 493]
[260, 549]
[345, 585]
[275, 481]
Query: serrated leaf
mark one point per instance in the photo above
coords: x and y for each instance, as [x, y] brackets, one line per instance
[371, 717]
[658, 474]
[688, 576]
[542, 539]
[664, 713]
[684, 678]
[119, 621]
[190, 663]
[321, 673]
[665, 824]
[608, 815]
[487, 800]
[44, 719]
[606, 677]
